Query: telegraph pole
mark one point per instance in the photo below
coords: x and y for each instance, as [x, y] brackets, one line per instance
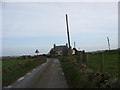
[74, 45]
[68, 31]
[108, 43]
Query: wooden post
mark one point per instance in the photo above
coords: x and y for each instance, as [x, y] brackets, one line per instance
[14, 66]
[101, 62]
[74, 44]
[78, 57]
[83, 55]
[86, 57]
[119, 62]
[108, 43]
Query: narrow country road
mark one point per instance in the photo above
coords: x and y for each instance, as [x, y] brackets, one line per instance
[47, 75]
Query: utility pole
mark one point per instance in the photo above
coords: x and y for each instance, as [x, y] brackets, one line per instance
[68, 31]
[108, 43]
[74, 45]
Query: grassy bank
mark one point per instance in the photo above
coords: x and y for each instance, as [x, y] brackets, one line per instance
[75, 78]
[88, 74]
[13, 68]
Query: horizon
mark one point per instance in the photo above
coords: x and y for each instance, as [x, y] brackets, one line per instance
[47, 53]
[28, 26]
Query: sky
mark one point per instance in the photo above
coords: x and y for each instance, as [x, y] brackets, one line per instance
[27, 26]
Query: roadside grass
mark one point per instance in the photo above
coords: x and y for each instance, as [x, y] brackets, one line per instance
[70, 73]
[74, 77]
[0, 73]
[15, 68]
[110, 62]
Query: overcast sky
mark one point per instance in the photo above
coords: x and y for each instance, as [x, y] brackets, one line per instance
[31, 25]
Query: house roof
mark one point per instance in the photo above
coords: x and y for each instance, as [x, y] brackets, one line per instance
[59, 48]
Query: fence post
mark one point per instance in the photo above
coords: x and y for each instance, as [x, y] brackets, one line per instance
[118, 61]
[14, 66]
[86, 57]
[83, 55]
[78, 57]
[101, 62]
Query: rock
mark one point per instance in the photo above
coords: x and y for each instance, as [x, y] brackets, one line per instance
[118, 83]
[104, 77]
[83, 66]
[112, 83]
[91, 76]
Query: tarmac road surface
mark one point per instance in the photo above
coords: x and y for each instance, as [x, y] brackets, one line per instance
[47, 75]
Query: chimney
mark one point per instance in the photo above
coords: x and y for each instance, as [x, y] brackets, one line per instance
[54, 45]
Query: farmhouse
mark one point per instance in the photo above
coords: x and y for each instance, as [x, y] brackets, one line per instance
[64, 50]
[59, 50]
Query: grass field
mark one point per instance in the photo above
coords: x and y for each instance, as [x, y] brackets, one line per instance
[110, 62]
[0, 73]
[74, 76]
[13, 68]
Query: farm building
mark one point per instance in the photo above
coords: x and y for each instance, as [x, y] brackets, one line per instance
[64, 50]
[59, 50]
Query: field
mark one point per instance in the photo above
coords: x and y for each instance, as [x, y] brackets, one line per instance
[0, 73]
[14, 67]
[80, 76]
[110, 62]
[76, 76]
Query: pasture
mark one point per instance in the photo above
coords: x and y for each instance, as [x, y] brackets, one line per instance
[82, 75]
[110, 62]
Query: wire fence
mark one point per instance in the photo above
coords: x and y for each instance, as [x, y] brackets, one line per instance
[106, 61]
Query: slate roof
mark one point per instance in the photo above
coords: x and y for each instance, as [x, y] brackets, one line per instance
[58, 48]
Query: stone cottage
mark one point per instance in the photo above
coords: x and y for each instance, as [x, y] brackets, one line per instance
[59, 50]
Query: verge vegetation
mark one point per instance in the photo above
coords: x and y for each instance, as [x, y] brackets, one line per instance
[87, 73]
[13, 67]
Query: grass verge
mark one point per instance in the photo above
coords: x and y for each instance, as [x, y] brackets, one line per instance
[13, 69]
[75, 78]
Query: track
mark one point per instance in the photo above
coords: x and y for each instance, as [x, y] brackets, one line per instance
[47, 75]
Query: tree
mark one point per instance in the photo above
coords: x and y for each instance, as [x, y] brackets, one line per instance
[37, 52]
